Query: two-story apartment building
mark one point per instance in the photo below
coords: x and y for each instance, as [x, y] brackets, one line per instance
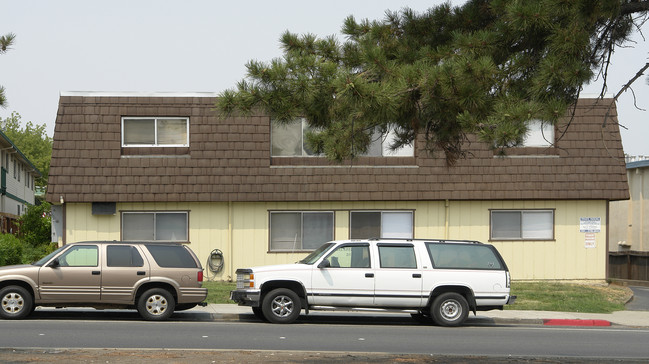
[17, 183]
[164, 166]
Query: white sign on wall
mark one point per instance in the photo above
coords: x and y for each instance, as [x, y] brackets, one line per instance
[590, 224]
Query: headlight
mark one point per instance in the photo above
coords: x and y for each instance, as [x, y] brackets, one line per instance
[245, 280]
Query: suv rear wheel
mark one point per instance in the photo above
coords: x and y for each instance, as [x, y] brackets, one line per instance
[16, 303]
[156, 304]
[449, 309]
[281, 306]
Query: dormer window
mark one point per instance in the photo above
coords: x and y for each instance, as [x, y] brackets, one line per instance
[539, 134]
[155, 132]
[289, 140]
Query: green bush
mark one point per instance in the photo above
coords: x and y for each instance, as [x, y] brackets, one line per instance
[36, 225]
[11, 250]
[34, 253]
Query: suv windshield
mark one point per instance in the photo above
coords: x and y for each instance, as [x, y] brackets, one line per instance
[44, 260]
[313, 257]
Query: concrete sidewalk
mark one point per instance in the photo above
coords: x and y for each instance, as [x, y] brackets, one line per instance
[232, 312]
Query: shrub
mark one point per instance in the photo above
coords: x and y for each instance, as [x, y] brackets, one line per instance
[11, 250]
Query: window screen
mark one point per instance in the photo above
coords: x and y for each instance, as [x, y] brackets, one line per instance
[522, 224]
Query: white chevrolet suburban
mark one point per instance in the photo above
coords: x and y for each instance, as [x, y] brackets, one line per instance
[440, 280]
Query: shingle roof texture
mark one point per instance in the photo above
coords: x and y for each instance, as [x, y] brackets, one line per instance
[228, 159]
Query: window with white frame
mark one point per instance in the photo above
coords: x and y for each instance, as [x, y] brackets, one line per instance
[155, 132]
[522, 224]
[300, 230]
[381, 224]
[539, 134]
[156, 226]
[289, 140]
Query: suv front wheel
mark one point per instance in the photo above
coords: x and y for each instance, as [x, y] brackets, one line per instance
[156, 304]
[449, 309]
[16, 302]
[281, 306]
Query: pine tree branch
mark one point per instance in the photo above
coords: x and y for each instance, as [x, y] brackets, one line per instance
[634, 7]
[623, 89]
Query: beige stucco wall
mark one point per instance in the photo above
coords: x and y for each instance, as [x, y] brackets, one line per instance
[629, 228]
[240, 231]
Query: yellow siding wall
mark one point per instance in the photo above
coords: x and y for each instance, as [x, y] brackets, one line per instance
[240, 231]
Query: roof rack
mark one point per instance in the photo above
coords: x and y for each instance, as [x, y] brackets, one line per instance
[431, 240]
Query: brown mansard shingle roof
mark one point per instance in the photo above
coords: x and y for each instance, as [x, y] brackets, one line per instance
[229, 160]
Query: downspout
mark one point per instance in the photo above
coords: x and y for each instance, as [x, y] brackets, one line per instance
[447, 210]
[230, 242]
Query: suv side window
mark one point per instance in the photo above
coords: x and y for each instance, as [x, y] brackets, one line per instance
[172, 256]
[350, 256]
[80, 256]
[397, 256]
[463, 256]
[123, 256]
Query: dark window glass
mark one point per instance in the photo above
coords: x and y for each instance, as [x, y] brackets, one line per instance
[123, 256]
[397, 257]
[170, 256]
[463, 256]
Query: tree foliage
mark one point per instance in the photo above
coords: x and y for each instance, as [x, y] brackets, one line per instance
[485, 68]
[33, 141]
[5, 44]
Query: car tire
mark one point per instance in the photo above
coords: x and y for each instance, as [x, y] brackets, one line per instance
[449, 309]
[281, 306]
[16, 303]
[156, 304]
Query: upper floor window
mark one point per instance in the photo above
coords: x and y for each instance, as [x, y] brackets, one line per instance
[155, 132]
[539, 134]
[289, 140]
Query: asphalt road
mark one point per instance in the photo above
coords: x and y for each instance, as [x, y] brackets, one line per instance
[388, 337]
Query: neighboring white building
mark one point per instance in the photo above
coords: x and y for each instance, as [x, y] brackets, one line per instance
[17, 183]
[629, 230]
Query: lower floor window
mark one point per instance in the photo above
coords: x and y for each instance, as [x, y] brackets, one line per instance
[522, 224]
[381, 224]
[300, 230]
[155, 226]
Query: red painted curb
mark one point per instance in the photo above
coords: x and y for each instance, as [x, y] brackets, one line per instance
[568, 322]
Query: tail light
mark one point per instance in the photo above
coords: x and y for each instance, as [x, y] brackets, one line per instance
[199, 278]
[509, 280]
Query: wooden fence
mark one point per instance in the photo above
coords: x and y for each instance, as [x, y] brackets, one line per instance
[629, 265]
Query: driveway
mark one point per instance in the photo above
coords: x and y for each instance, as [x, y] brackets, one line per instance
[640, 301]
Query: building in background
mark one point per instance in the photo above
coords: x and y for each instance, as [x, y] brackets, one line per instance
[17, 184]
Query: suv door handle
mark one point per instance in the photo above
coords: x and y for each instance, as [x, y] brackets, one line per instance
[96, 272]
[141, 273]
[369, 275]
[416, 275]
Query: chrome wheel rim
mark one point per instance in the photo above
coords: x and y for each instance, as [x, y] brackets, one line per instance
[282, 306]
[12, 303]
[451, 310]
[156, 305]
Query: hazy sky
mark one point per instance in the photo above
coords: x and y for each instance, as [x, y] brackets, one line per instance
[200, 46]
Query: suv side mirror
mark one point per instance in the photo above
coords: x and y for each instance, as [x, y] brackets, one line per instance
[54, 263]
[324, 264]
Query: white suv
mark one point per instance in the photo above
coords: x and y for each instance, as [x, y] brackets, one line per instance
[440, 280]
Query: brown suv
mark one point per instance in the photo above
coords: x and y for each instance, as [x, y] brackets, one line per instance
[155, 278]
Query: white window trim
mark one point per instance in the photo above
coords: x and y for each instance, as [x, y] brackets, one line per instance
[155, 144]
[154, 223]
[521, 238]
